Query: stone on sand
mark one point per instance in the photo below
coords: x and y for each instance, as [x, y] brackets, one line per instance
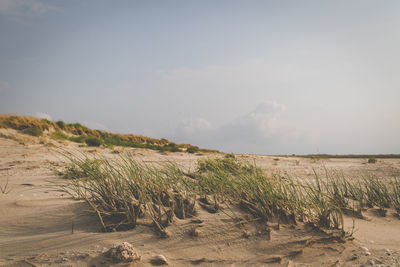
[123, 252]
[354, 257]
[159, 260]
[387, 251]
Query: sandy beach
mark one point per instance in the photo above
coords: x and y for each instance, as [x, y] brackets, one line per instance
[40, 225]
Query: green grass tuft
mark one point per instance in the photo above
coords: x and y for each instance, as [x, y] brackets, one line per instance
[93, 141]
[33, 130]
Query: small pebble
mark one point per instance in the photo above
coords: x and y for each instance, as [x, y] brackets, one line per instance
[354, 257]
[160, 260]
[366, 253]
[371, 262]
[387, 251]
[123, 252]
[365, 249]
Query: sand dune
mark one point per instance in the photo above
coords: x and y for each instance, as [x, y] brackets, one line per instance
[42, 226]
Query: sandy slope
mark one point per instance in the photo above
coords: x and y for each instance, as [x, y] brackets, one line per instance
[36, 219]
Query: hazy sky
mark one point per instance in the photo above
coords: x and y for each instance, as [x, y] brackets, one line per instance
[268, 77]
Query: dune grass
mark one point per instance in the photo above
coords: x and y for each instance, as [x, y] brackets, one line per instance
[395, 196]
[123, 191]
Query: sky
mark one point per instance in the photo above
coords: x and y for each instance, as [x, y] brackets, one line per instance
[263, 77]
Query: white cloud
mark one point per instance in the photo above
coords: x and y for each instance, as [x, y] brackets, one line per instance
[43, 115]
[264, 120]
[263, 130]
[195, 126]
[195, 131]
[322, 98]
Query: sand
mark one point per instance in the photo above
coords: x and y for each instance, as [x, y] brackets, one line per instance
[42, 226]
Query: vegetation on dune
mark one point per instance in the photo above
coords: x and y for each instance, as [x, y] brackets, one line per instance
[76, 132]
[395, 195]
[93, 141]
[268, 197]
[123, 191]
[33, 130]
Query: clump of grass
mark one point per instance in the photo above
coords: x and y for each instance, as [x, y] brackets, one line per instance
[61, 125]
[267, 197]
[77, 139]
[324, 202]
[122, 191]
[58, 135]
[372, 160]
[33, 130]
[377, 194]
[336, 186]
[93, 141]
[192, 149]
[395, 196]
[366, 192]
[80, 167]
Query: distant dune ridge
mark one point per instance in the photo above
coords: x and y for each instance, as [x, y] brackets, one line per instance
[79, 133]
